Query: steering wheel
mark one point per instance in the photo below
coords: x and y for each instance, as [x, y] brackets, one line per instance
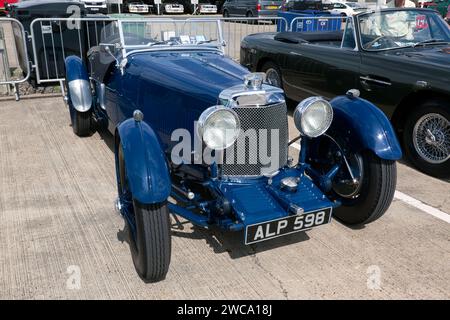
[385, 38]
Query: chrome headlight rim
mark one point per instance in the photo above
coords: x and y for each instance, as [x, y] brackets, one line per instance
[206, 116]
[303, 106]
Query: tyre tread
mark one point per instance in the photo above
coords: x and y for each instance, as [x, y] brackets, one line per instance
[378, 196]
[82, 124]
[386, 190]
[158, 241]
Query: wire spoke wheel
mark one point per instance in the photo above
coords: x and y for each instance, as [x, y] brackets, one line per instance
[431, 138]
[273, 74]
[273, 78]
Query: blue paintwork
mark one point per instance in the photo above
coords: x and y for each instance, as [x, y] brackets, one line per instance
[147, 171]
[366, 127]
[75, 69]
[254, 200]
[198, 220]
[309, 20]
[172, 89]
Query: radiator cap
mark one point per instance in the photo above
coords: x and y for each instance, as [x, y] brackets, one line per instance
[290, 183]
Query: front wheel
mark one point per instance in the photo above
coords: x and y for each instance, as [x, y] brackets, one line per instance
[426, 138]
[151, 246]
[249, 14]
[372, 195]
[81, 121]
[149, 226]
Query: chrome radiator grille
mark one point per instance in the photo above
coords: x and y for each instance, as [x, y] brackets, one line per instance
[256, 118]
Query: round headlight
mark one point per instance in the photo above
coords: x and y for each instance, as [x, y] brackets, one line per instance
[219, 127]
[313, 116]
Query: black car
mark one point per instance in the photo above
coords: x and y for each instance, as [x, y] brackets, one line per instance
[251, 8]
[399, 59]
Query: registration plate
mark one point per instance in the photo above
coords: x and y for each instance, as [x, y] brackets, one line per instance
[284, 226]
[271, 7]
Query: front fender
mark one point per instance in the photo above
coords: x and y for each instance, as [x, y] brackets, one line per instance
[365, 126]
[145, 163]
[79, 90]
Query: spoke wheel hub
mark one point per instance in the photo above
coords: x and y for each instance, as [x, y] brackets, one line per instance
[431, 138]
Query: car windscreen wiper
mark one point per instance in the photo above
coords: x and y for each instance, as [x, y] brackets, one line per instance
[151, 44]
[430, 41]
[206, 41]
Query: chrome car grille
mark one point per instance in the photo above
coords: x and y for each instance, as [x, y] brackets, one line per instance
[257, 117]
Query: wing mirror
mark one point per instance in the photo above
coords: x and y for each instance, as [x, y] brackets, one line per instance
[107, 48]
[110, 49]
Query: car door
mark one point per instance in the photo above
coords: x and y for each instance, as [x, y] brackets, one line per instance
[382, 77]
[129, 92]
[241, 7]
[380, 85]
[323, 69]
[113, 97]
[231, 7]
[338, 8]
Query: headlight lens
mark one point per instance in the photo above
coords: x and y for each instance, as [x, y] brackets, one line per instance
[219, 127]
[313, 116]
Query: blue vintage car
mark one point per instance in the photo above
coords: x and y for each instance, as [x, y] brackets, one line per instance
[198, 136]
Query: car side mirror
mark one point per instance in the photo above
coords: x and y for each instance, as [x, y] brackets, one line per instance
[108, 48]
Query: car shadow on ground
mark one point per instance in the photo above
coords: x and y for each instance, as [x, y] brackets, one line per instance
[220, 241]
[107, 137]
[232, 243]
[409, 165]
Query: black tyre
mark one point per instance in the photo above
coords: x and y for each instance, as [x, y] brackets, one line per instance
[273, 74]
[426, 138]
[249, 14]
[81, 121]
[149, 225]
[151, 248]
[373, 195]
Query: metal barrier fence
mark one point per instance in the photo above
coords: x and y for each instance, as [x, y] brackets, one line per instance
[53, 39]
[318, 24]
[14, 67]
[236, 29]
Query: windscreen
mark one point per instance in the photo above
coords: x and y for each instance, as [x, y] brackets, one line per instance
[388, 30]
[170, 32]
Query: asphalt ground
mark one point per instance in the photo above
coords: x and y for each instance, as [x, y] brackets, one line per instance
[60, 237]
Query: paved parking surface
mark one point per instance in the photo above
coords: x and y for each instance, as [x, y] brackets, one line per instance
[57, 218]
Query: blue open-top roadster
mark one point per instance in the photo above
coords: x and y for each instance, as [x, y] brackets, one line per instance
[199, 136]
